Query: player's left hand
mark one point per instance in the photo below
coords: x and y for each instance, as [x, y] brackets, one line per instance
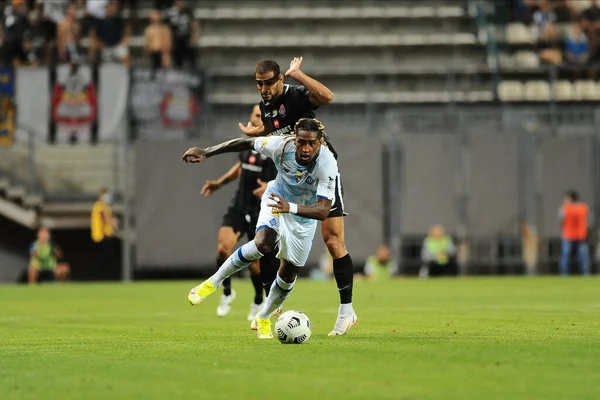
[260, 190]
[279, 205]
[294, 66]
[194, 155]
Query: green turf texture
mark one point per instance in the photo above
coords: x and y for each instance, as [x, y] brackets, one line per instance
[471, 338]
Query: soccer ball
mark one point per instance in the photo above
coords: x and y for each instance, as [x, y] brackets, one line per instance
[293, 327]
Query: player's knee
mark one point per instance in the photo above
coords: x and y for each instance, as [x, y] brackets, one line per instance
[264, 247]
[335, 245]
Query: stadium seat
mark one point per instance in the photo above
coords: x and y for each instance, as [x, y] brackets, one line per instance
[373, 12]
[420, 12]
[563, 91]
[510, 91]
[463, 38]
[396, 12]
[586, 90]
[450, 12]
[518, 33]
[224, 13]
[526, 59]
[537, 91]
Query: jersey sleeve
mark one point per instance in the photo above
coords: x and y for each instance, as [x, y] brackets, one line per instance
[269, 146]
[304, 99]
[327, 176]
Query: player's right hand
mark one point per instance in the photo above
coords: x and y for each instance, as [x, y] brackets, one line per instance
[194, 155]
[209, 188]
[251, 130]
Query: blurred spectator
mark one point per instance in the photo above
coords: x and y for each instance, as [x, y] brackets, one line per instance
[574, 215]
[185, 31]
[52, 14]
[590, 21]
[113, 36]
[96, 11]
[28, 56]
[14, 26]
[158, 42]
[544, 19]
[577, 49]
[68, 37]
[438, 254]
[46, 262]
[549, 46]
[380, 265]
[103, 227]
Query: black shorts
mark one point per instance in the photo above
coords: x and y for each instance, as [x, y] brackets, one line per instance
[46, 275]
[337, 205]
[245, 224]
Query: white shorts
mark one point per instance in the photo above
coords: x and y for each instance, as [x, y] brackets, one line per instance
[295, 238]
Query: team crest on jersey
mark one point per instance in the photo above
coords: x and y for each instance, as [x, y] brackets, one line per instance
[282, 110]
[274, 113]
[276, 123]
[273, 222]
[252, 159]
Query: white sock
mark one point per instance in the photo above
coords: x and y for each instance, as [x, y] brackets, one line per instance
[240, 259]
[345, 309]
[280, 291]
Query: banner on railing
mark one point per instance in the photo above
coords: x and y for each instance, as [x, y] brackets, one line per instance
[164, 104]
[7, 106]
[72, 102]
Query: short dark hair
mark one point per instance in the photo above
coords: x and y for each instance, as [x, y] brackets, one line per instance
[573, 195]
[310, 125]
[267, 66]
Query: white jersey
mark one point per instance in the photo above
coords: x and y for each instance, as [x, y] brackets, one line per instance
[298, 183]
[55, 9]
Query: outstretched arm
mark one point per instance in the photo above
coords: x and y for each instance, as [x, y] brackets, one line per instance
[212, 186]
[319, 211]
[198, 155]
[320, 94]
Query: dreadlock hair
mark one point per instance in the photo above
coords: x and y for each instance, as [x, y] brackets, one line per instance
[309, 125]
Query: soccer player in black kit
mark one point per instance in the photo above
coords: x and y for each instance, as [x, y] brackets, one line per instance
[254, 172]
[281, 107]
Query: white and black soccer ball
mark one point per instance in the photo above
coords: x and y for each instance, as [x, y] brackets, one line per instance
[293, 327]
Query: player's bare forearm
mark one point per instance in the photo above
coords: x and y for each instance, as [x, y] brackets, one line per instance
[230, 146]
[319, 211]
[232, 174]
[320, 94]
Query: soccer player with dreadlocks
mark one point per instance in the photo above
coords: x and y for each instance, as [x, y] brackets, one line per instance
[300, 195]
[282, 106]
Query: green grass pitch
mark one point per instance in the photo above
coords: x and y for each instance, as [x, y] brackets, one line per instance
[471, 338]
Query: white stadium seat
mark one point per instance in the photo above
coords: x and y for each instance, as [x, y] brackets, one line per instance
[518, 33]
[563, 91]
[510, 91]
[420, 12]
[586, 90]
[537, 91]
[526, 59]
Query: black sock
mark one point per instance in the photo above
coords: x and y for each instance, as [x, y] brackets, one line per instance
[227, 282]
[343, 271]
[269, 264]
[258, 288]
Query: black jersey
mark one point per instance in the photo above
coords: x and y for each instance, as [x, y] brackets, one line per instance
[180, 21]
[254, 166]
[14, 25]
[280, 116]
